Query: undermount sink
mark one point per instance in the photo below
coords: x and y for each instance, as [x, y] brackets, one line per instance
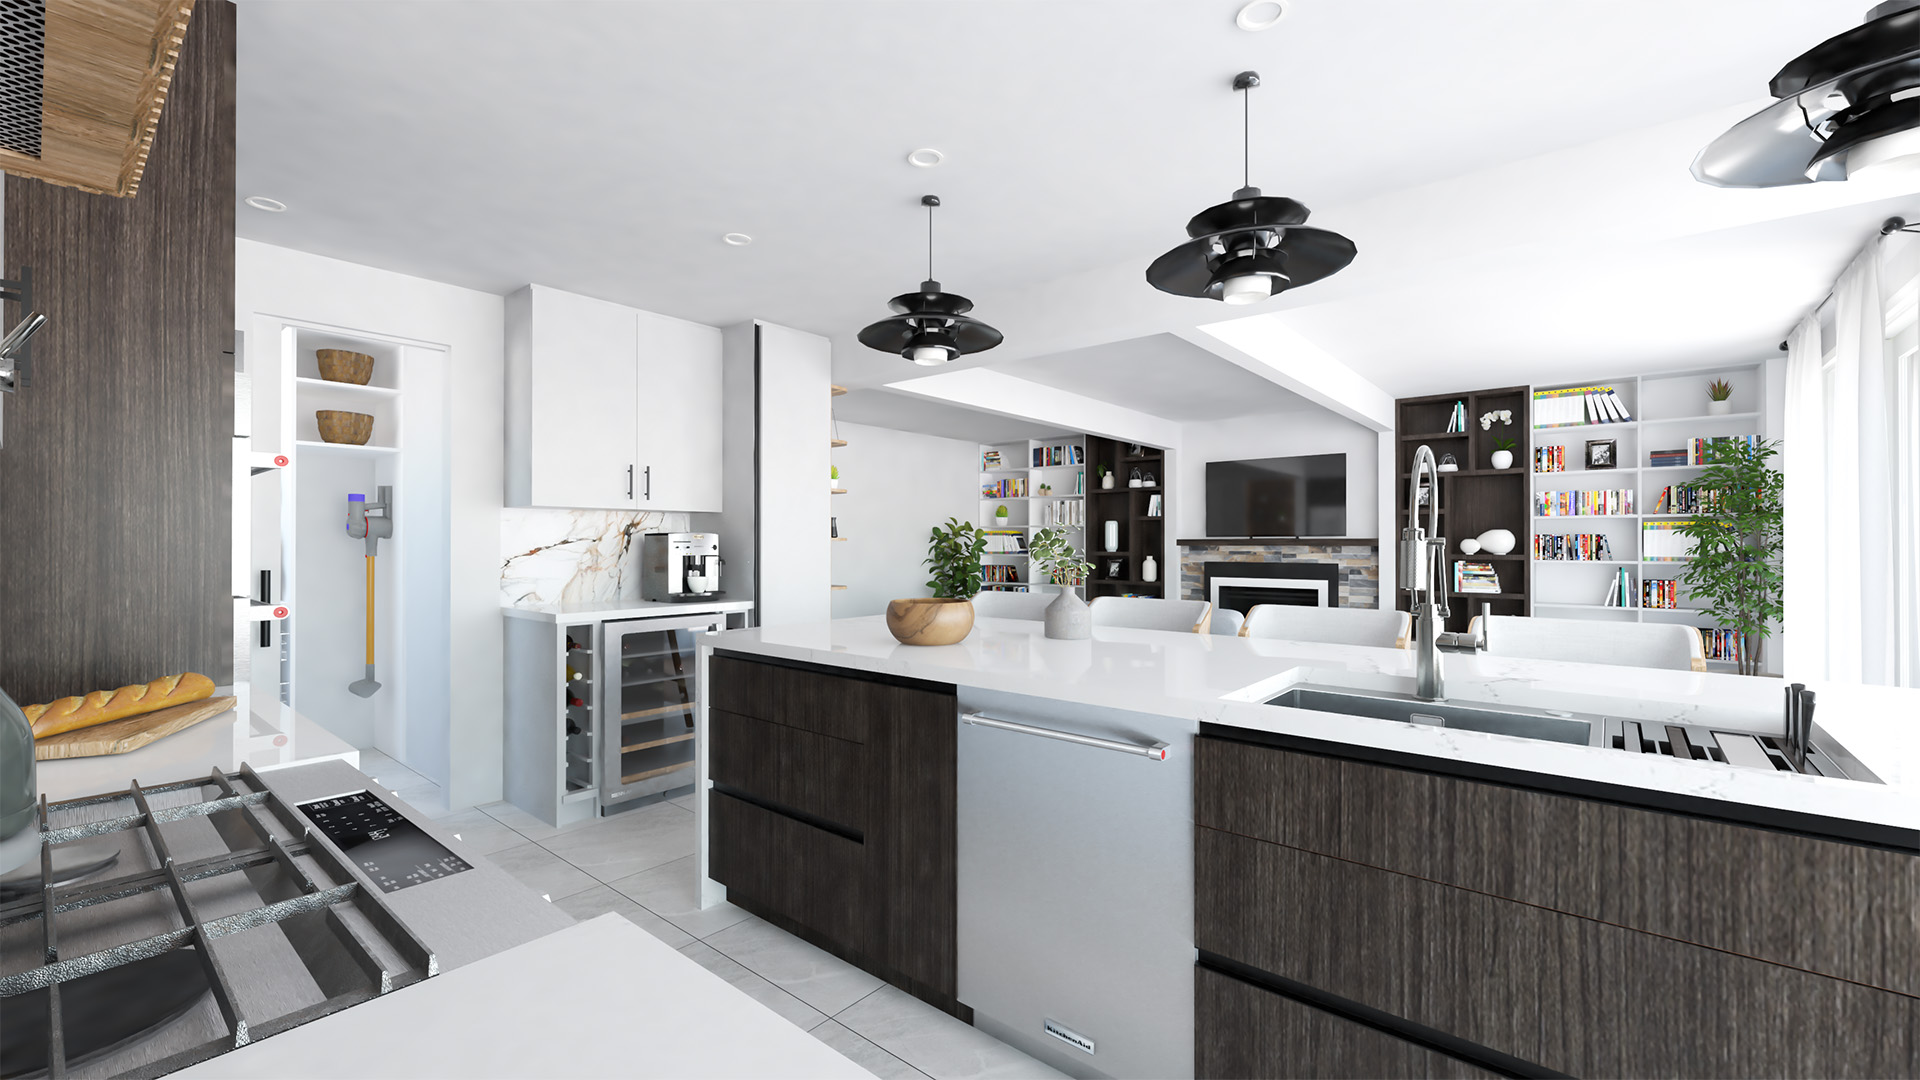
[1410, 710]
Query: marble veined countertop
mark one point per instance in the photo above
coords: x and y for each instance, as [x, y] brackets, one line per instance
[611, 610]
[1226, 680]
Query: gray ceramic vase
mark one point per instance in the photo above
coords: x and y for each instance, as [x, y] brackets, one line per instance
[1068, 617]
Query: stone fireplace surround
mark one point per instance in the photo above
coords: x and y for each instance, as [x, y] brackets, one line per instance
[1355, 564]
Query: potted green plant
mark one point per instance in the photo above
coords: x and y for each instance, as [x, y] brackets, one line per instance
[833, 473]
[1719, 397]
[1068, 617]
[1737, 540]
[953, 554]
[1000, 515]
[1503, 445]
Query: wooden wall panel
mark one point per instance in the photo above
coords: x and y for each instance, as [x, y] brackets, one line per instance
[115, 490]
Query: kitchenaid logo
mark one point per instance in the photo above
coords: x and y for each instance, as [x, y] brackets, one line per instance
[1070, 1037]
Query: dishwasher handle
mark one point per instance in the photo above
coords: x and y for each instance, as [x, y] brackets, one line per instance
[1155, 752]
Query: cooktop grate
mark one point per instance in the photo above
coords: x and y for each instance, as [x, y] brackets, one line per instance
[354, 946]
[23, 53]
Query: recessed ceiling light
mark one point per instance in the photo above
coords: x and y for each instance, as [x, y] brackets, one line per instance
[738, 239]
[925, 158]
[1261, 15]
[261, 202]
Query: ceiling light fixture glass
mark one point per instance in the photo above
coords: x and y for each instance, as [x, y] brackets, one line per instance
[1845, 108]
[1252, 246]
[925, 158]
[1261, 15]
[261, 202]
[737, 239]
[930, 327]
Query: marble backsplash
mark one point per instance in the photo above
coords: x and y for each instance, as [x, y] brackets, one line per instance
[561, 557]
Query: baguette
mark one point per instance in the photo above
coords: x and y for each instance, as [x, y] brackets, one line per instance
[102, 706]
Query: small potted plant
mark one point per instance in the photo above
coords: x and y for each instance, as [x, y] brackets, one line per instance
[1068, 617]
[1502, 444]
[833, 474]
[953, 554]
[1000, 515]
[1719, 397]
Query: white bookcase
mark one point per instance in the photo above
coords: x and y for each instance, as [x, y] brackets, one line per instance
[1668, 410]
[1064, 505]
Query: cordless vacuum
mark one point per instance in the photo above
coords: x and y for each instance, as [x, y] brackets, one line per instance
[363, 525]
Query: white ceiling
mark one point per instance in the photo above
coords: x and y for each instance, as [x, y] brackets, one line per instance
[603, 148]
[1161, 375]
[884, 408]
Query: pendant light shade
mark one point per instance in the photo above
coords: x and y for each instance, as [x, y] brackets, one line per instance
[1250, 247]
[1848, 106]
[930, 327]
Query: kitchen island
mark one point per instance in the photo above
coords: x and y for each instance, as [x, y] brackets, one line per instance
[1360, 894]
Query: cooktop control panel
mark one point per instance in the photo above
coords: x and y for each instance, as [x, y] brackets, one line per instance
[391, 850]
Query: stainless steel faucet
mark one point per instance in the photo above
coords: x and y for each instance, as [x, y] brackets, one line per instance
[1423, 556]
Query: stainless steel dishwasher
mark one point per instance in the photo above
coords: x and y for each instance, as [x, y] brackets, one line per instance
[1076, 883]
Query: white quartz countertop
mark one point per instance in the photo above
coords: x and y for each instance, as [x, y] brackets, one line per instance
[1226, 680]
[603, 998]
[609, 610]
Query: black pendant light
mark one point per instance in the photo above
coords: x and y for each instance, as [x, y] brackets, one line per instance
[1847, 105]
[930, 327]
[1251, 247]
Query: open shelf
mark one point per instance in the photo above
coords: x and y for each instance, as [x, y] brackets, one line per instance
[327, 386]
[836, 443]
[349, 449]
[836, 391]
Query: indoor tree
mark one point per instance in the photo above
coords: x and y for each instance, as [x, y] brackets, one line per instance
[953, 554]
[1734, 570]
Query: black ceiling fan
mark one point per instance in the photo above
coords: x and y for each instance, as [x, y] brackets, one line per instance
[1252, 246]
[931, 327]
[1848, 105]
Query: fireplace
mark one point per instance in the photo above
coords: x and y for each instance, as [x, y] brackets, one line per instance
[1240, 585]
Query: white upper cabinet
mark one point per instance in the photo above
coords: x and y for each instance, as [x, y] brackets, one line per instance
[609, 407]
[679, 414]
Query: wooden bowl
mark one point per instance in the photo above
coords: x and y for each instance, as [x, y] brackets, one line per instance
[929, 620]
[339, 365]
[352, 428]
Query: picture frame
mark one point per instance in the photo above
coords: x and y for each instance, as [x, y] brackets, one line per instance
[1602, 454]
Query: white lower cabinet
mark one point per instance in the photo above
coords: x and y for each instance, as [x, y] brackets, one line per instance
[610, 407]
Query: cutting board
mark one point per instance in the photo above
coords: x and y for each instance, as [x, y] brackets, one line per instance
[120, 736]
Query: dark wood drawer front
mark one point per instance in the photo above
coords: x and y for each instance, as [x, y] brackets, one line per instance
[825, 704]
[1571, 994]
[1708, 882]
[812, 876]
[1242, 1030]
[813, 774]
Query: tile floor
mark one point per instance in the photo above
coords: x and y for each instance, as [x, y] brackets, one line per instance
[640, 863]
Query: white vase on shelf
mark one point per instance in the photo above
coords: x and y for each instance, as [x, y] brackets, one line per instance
[1111, 535]
[1503, 459]
[1496, 541]
[1149, 569]
[1106, 482]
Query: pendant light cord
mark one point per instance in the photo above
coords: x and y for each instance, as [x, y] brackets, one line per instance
[1246, 138]
[929, 243]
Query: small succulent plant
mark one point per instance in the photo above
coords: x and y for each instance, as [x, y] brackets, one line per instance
[1719, 390]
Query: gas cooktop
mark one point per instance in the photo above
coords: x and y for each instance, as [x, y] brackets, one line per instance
[219, 915]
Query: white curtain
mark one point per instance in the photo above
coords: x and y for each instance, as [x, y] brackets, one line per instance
[1804, 564]
[1851, 489]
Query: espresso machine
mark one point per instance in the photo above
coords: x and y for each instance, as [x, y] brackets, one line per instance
[679, 566]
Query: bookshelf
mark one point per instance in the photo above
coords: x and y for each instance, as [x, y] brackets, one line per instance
[1016, 471]
[1141, 533]
[1667, 411]
[1474, 498]
[835, 442]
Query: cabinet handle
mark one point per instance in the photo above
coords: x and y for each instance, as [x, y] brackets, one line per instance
[1155, 752]
[646, 493]
[629, 481]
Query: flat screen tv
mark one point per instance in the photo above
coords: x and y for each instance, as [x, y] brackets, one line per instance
[1288, 496]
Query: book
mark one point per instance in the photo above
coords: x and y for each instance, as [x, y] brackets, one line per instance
[1572, 547]
[1611, 503]
[1662, 541]
[1475, 577]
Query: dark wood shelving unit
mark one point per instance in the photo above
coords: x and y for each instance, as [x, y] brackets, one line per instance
[1475, 498]
[1140, 535]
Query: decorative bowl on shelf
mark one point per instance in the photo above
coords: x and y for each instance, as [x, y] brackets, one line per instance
[352, 428]
[339, 365]
[929, 620]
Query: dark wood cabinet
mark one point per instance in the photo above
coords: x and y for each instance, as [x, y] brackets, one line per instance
[1245, 1030]
[833, 814]
[1563, 932]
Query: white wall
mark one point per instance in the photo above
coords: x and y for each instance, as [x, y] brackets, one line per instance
[470, 325]
[796, 425]
[899, 486]
[1308, 430]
